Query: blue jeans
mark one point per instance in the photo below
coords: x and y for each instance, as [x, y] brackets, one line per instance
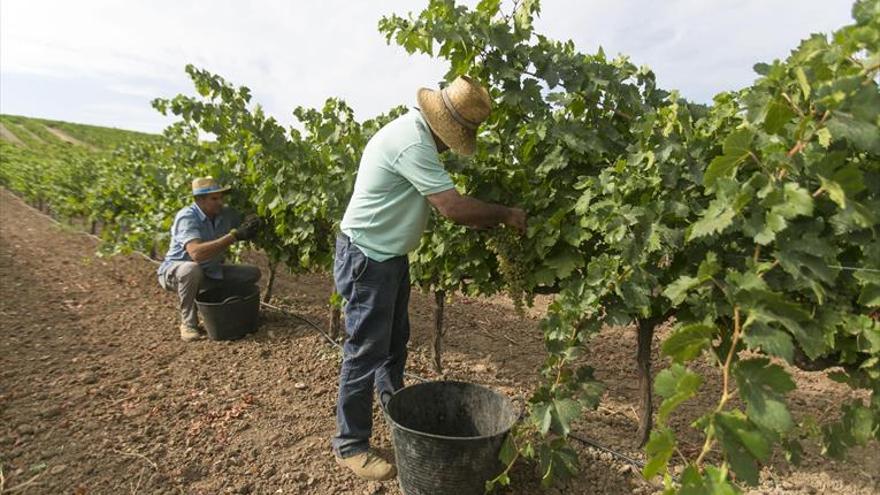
[377, 324]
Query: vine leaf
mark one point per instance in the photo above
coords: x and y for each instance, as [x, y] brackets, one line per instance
[762, 386]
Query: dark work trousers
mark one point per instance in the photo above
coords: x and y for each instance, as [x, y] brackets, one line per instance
[377, 324]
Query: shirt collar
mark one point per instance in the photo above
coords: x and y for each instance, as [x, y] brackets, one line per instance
[199, 212]
[426, 130]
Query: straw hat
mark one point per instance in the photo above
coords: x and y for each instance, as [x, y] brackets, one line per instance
[206, 185]
[455, 112]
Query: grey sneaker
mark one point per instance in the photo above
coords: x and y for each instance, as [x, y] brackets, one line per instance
[189, 334]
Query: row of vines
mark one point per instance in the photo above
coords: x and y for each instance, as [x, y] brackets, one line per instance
[750, 225]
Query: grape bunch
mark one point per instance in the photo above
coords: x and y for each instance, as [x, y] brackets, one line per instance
[512, 263]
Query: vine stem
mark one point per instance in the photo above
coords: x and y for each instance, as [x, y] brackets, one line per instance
[725, 378]
[562, 362]
[796, 148]
[508, 17]
[793, 106]
[803, 141]
[512, 461]
[270, 284]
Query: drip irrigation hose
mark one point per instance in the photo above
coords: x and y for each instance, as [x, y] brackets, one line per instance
[324, 334]
[597, 445]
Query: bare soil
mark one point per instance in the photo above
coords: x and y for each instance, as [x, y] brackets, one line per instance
[23, 131]
[8, 135]
[67, 138]
[99, 395]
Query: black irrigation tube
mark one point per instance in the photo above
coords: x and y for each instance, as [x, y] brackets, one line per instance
[582, 439]
[326, 336]
[597, 445]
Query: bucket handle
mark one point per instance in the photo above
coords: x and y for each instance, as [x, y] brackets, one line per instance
[231, 299]
[384, 397]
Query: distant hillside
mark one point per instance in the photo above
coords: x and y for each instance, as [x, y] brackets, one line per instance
[37, 133]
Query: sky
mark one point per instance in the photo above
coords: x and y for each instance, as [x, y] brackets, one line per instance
[102, 61]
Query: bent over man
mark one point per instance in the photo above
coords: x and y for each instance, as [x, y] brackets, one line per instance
[200, 235]
[400, 177]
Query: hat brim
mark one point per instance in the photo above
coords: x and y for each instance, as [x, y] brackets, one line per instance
[202, 192]
[459, 138]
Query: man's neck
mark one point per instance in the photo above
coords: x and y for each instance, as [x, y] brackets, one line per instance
[210, 217]
[441, 146]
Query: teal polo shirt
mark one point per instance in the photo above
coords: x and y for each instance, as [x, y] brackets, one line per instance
[388, 211]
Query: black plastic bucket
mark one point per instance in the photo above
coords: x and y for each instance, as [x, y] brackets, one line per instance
[230, 312]
[447, 436]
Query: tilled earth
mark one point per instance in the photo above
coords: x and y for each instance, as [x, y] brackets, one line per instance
[98, 394]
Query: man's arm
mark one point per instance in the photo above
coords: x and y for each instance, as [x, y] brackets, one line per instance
[472, 212]
[202, 251]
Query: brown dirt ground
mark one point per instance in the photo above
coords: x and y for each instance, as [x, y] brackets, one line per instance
[8, 135]
[98, 394]
[21, 130]
[67, 138]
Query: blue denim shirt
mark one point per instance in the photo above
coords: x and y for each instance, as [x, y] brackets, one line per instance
[190, 224]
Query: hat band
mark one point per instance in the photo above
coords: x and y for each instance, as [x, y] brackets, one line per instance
[455, 115]
[205, 190]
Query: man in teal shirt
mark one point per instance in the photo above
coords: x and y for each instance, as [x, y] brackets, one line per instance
[399, 179]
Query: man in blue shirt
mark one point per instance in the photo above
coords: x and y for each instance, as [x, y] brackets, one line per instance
[400, 178]
[200, 235]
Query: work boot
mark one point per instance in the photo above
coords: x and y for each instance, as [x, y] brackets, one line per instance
[368, 466]
[189, 334]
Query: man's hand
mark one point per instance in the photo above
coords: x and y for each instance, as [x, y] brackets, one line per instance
[516, 218]
[248, 228]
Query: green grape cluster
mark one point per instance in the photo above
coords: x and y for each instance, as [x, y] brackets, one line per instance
[512, 263]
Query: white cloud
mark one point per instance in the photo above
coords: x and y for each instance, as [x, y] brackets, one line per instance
[298, 53]
[289, 53]
[130, 116]
[701, 47]
[143, 91]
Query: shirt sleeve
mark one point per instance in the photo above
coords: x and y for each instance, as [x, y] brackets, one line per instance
[420, 165]
[187, 229]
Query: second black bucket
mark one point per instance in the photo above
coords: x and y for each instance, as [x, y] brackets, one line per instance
[230, 312]
[447, 436]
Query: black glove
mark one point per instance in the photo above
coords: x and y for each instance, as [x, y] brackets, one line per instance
[248, 228]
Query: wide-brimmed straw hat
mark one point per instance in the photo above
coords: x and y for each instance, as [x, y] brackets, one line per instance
[455, 112]
[206, 185]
